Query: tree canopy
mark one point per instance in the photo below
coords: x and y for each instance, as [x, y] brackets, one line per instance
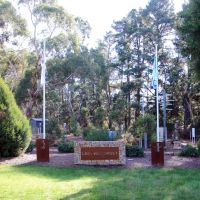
[189, 33]
[107, 86]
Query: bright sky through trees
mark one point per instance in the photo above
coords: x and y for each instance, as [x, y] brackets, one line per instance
[101, 14]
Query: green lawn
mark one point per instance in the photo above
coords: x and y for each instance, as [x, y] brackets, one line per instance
[42, 183]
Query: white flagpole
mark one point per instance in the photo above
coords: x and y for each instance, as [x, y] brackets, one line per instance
[157, 102]
[44, 101]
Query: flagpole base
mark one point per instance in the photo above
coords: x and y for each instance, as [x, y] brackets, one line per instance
[157, 154]
[42, 150]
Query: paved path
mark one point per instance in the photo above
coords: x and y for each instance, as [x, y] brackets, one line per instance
[66, 160]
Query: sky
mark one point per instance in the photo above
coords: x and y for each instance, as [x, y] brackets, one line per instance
[101, 13]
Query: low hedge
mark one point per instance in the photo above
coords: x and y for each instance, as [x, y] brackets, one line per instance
[134, 151]
[189, 151]
[66, 147]
[95, 134]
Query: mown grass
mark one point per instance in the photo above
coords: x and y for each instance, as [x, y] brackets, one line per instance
[53, 183]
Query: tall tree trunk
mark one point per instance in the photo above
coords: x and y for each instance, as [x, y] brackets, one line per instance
[188, 113]
[109, 105]
[137, 112]
[33, 93]
[128, 102]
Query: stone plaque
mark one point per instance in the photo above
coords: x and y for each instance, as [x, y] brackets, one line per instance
[100, 153]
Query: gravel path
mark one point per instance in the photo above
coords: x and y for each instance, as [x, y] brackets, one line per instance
[66, 160]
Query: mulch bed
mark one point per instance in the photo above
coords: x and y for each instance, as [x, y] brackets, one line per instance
[67, 160]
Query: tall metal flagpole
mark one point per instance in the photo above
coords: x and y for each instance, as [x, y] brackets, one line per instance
[44, 101]
[42, 145]
[157, 102]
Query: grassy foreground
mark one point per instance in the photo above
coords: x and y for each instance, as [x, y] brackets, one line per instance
[51, 183]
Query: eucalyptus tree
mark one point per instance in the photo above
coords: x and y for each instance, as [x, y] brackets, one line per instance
[12, 25]
[62, 33]
[12, 31]
[109, 78]
[77, 82]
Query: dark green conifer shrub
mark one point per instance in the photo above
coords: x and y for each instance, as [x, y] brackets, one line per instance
[15, 131]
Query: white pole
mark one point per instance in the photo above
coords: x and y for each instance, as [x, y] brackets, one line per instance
[142, 104]
[157, 102]
[44, 101]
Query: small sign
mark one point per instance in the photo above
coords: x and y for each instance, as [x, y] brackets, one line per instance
[100, 153]
[193, 132]
[112, 134]
[161, 134]
[193, 135]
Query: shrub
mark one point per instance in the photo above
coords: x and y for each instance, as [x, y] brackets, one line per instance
[66, 147]
[134, 151]
[189, 151]
[146, 124]
[78, 131]
[86, 131]
[99, 116]
[30, 147]
[73, 124]
[198, 147]
[128, 138]
[15, 131]
[53, 131]
[96, 135]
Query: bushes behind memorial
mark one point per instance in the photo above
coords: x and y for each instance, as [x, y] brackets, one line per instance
[95, 134]
[66, 147]
[189, 151]
[15, 131]
[134, 151]
[53, 131]
[198, 147]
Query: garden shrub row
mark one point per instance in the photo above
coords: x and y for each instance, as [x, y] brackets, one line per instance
[189, 151]
[66, 147]
[134, 151]
[131, 150]
[96, 134]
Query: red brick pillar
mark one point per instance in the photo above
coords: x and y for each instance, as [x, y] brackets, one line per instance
[42, 149]
[157, 153]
